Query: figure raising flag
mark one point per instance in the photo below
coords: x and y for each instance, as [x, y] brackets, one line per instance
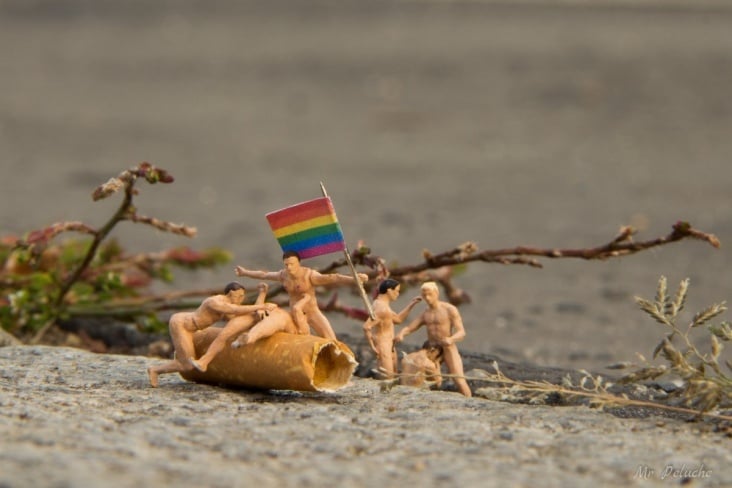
[306, 230]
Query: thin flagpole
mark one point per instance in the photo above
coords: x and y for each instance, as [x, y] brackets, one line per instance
[361, 289]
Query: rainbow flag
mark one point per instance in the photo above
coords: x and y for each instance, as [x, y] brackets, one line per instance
[310, 228]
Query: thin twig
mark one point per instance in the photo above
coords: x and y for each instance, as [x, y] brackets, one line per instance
[622, 245]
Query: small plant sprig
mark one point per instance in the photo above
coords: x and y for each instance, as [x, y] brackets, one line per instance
[706, 385]
[40, 280]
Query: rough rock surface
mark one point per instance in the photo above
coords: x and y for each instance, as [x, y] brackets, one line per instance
[75, 419]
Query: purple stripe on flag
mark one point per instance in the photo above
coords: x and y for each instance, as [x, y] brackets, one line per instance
[322, 249]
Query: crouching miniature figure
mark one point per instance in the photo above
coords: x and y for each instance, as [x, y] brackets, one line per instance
[444, 328]
[422, 366]
[183, 325]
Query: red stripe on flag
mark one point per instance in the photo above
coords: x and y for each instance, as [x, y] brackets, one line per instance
[299, 212]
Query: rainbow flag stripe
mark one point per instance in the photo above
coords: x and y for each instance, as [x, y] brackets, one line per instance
[311, 228]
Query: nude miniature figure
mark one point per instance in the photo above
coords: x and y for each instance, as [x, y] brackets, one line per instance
[300, 282]
[275, 320]
[380, 332]
[421, 366]
[278, 320]
[183, 325]
[444, 328]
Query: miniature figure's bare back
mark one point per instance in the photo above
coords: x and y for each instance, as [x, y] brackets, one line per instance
[417, 368]
[207, 314]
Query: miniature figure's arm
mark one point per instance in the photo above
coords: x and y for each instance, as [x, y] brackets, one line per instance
[400, 317]
[457, 328]
[367, 326]
[432, 373]
[317, 278]
[263, 288]
[258, 275]
[229, 308]
[416, 324]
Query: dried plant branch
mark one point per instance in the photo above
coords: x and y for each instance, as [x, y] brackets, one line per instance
[170, 297]
[621, 245]
[126, 211]
[163, 226]
[439, 267]
[43, 236]
[335, 305]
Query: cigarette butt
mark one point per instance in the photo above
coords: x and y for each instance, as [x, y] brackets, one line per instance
[279, 362]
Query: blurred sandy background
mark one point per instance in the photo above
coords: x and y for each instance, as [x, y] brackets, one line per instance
[431, 123]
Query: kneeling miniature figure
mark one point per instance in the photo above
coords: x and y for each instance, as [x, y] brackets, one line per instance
[422, 366]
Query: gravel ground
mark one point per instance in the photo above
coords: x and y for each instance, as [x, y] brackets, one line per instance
[70, 418]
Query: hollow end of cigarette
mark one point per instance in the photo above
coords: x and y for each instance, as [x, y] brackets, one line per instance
[333, 367]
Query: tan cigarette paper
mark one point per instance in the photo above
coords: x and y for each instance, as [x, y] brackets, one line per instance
[279, 362]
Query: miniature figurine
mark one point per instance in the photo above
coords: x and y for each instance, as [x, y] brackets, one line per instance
[278, 320]
[380, 332]
[422, 365]
[299, 282]
[275, 320]
[444, 328]
[183, 325]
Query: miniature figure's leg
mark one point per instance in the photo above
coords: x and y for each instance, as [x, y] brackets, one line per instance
[433, 374]
[173, 366]
[277, 321]
[152, 374]
[455, 367]
[182, 340]
[183, 344]
[386, 361]
[320, 324]
[394, 356]
[298, 314]
[233, 328]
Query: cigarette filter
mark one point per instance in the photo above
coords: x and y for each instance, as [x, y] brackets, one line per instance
[279, 362]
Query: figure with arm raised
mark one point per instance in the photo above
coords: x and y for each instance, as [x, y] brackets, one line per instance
[300, 282]
[380, 332]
